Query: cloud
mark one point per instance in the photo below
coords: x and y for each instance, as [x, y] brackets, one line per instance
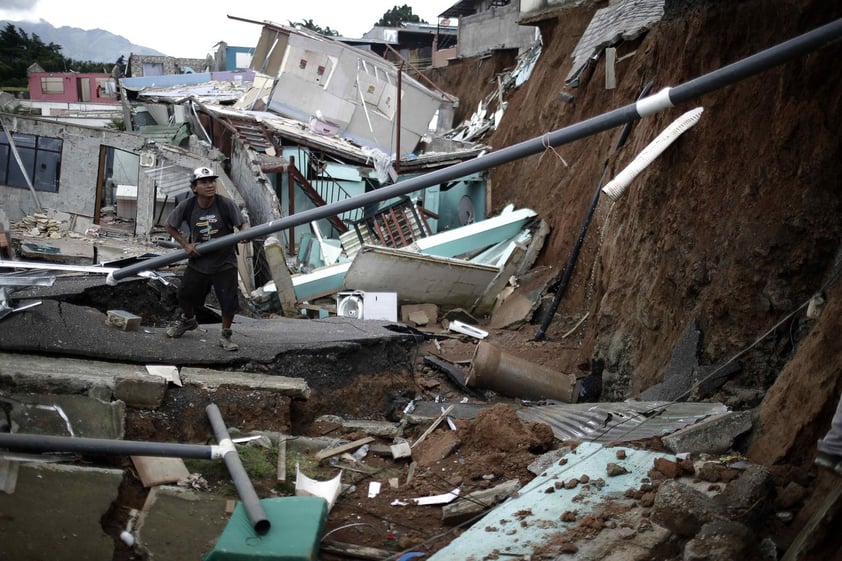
[18, 5]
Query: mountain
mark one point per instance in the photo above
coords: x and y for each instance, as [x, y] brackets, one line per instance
[95, 45]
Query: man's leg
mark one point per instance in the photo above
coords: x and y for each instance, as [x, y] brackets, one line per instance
[193, 285]
[228, 294]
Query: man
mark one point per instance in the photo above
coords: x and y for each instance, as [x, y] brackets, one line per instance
[208, 216]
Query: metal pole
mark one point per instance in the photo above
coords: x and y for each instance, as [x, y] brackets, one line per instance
[105, 447]
[248, 496]
[23, 170]
[649, 105]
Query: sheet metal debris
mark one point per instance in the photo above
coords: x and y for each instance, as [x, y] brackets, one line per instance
[619, 422]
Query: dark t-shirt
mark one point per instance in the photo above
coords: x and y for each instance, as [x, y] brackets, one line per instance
[206, 224]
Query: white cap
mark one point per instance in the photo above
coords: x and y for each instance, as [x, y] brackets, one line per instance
[202, 173]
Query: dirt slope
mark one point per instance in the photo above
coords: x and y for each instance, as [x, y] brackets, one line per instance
[735, 226]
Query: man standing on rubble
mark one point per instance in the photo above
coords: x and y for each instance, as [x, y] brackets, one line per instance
[208, 215]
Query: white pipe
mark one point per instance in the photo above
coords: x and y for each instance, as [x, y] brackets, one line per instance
[617, 186]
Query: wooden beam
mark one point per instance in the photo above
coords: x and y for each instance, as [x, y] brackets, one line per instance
[282, 460]
[818, 523]
[435, 424]
[328, 452]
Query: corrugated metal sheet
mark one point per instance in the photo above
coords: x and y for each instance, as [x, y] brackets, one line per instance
[626, 20]
[170, 179]
[619, 422]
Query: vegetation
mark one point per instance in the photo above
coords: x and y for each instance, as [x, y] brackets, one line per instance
[116, 124]
[18, 51]
[397, 16]
[394, 17]
[309, 24]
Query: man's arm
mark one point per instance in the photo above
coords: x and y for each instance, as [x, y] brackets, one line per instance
[185, 244]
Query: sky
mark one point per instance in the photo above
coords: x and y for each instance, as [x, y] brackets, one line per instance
[190, 29]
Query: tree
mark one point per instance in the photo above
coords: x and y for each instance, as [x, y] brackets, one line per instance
[397, 16]
[18, 51]
[312, 26]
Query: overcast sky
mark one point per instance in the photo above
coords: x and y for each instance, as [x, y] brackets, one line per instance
[185, 28]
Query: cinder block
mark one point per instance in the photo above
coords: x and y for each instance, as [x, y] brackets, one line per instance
[123, 320]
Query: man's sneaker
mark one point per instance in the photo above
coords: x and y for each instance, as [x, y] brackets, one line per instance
[225, 341]
[182, 326]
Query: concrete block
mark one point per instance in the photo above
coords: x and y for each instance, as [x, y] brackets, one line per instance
[713, 435]
[144, 392]
[419, 314]
[58, 509]
[178, 523]
[123, 320]
[401, 450]
[60, 414]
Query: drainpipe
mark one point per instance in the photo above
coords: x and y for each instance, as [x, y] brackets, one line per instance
[105, 447]
[650, 105]
[248, 496]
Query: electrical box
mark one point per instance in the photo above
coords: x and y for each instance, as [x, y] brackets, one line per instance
[368, 305]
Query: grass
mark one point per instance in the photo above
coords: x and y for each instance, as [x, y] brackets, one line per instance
[259, 463]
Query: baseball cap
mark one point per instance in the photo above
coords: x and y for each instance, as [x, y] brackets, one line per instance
[202, 173]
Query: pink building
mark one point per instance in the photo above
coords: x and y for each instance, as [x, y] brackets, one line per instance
[72, 87]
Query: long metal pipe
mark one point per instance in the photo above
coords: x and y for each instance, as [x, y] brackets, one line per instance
[105, 447]
[649, 105]
[248, 496]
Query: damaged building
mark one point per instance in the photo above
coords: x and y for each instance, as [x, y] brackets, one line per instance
[552, 317]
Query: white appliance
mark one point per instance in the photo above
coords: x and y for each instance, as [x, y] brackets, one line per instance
[368, 305]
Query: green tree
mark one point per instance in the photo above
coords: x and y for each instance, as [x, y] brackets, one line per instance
[18, 51]
[312, 26]
[397, 16]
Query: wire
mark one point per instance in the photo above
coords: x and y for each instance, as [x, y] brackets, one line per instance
[545, 140]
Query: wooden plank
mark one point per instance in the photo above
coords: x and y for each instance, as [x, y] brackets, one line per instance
[328, 452]
[154, 471]
[282, 460]
[435, 424]
[805, 540]
[610, 68]
[274, 252]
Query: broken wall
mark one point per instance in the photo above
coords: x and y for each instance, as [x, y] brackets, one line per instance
[492, 29]
[79, 169]
[347, 91]
[253, 186]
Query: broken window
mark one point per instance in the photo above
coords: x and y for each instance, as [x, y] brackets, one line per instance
[105, 87]
[52, 85]
[40, 157]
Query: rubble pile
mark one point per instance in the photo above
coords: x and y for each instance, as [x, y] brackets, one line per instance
[38, 225]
